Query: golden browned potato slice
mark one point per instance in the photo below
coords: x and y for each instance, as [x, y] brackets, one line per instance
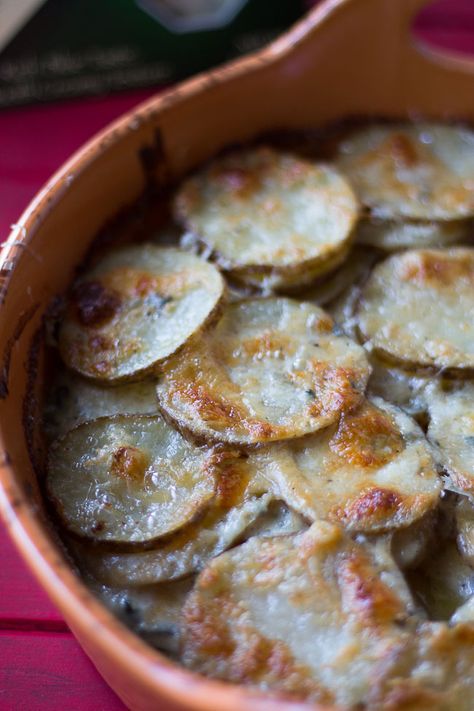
[464, 514]
[185, 553]
[242, 496]
[136, 307]
[393, 236]
[272, 369]
[269, 218]
[312, 616]
[416, 308]
[277, 519]
[419, 171]
[411, 545]
[153, 611]
[373, 471]
[451, 430]
[73, 400]
[128, 479]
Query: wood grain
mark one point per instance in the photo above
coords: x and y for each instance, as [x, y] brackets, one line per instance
[49, 672]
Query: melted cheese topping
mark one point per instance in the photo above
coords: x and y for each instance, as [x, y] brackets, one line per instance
[313, 616]
[373, 471]
[152, 611]
[416, 308]
[399, 387]
[271, 370]
[136, 307]
[263, 211]
[423, 171]
[187, 552]
[317, 492]
[433, 672]
[354, 269]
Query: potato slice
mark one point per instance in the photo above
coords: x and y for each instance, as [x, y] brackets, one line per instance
[464, 514]
[269, 216]
[277, 520]
[152, 611]
[451, 430]
[136, 307]
[403, 389]
[394, 236]
[271, 370]
[420, 171]
[342, 310]
[242, 495]
[373, 471]
[416, 308]
[128, 479]
[73, 400]
[356, 267]
[312, 616]
[443, 582]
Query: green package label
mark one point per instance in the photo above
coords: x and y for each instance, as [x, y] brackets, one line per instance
[51, 49]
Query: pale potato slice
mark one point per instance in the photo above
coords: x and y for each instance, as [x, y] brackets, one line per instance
[128, 479]
[416, 308]
[394, 236]
[356, 267]
[465, 613]
[451, 430]
[73, 400]
[464, 514]
[185, 553]
[420, 171]
[272, 369]
[432, 673]
[271, 216]
[136, 307]
[400, 387]
[342, 310]
[313, 616]
[153, 611]
[373, 471]
[410, 546]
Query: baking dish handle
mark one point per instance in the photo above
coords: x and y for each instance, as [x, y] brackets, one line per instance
[391, 19]
[361, 57]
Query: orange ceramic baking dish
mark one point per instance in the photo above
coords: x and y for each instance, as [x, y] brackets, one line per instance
[347, 57]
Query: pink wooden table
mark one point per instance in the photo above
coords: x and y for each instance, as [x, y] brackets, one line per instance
[41, 665]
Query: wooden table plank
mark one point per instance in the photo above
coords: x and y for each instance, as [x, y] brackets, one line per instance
[21, 598]
[36, 140]
[49, 672]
